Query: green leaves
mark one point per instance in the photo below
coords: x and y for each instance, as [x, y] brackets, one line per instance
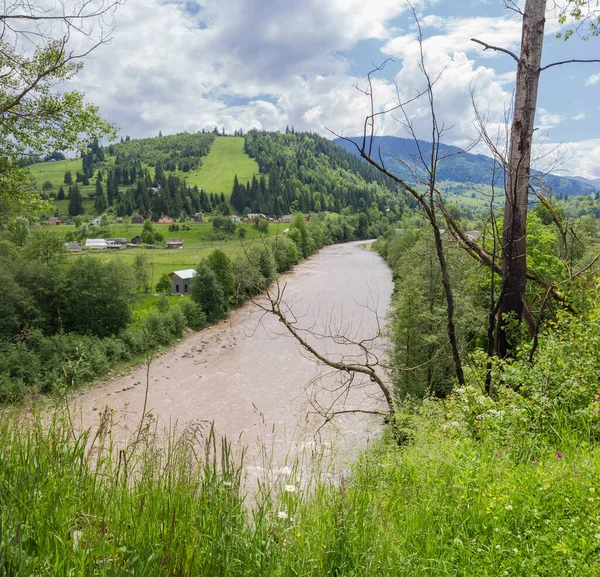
[580, 16]
[36, 118]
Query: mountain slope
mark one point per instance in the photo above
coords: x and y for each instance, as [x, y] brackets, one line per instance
[595, 182]
[463, 167]
[225, 159]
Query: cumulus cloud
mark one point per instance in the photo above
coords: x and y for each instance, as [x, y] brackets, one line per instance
[177, 65]
[571, 158]
[593, 79]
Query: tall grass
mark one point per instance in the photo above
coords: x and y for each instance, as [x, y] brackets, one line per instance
[77, 503]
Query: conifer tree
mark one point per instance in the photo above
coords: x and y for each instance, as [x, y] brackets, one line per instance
[75, 201]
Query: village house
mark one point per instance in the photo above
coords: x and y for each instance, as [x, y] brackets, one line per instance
[136, 240]
[287, 218]
[137, 219]
[72, 247]
[174, 243]
[164, 220]
[235, 218]
[96, 243]
[119, 220]
[198, 217]
[119, 241]
[96, 221]
[52, 221]
[473, 235]
[182, 281]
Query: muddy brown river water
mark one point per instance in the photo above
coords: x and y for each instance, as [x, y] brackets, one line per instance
[250, 378]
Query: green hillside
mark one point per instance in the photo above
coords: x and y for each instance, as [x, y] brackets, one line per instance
[214, 174]
[225, 159]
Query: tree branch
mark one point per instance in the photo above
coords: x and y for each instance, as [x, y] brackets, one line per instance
[574, 60]
[497, 48]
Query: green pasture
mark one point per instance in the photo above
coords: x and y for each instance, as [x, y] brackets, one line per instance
[55, 171]
[161, 260]
[225, 159]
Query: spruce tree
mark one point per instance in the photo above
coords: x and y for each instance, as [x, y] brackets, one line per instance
[75, 201]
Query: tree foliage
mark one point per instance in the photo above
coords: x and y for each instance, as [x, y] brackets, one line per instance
[36, 117]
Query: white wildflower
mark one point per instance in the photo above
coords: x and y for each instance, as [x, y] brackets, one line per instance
[282, 515]
[515, 550]
[285, 470]
[509, 507]
[290, 489]
[458, 541]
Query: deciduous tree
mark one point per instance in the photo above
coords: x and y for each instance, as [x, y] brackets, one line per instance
[40, 48]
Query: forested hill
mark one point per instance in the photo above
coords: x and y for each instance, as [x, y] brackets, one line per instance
[181, 174]
[309, 173]
[464, 168]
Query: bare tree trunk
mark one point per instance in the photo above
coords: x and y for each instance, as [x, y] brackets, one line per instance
[514, 246]
[449, 306]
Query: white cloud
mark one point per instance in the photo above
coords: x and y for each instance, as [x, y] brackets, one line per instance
[546, 120]
[572, 158]
[187, 64]
[455, 36]
[593, 79]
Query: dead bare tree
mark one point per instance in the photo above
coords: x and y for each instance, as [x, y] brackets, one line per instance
[424, 171]
[362, 360]
[514, 245]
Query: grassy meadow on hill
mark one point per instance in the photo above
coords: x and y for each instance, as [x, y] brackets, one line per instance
[214, 175]
[225, 159]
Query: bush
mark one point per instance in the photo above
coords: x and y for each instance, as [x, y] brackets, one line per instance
[164, 285]
[208, 292]
[285, 252]
[195, 317]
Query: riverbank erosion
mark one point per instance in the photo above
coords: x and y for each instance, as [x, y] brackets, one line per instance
[252, 381]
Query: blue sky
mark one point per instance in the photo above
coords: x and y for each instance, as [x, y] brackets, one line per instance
[191, 64]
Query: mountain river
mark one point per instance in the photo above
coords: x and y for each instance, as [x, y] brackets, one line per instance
[253, 380]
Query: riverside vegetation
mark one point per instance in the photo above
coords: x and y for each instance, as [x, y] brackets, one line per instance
[67, 319]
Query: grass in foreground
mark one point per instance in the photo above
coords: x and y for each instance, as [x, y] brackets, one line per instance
[444, 505]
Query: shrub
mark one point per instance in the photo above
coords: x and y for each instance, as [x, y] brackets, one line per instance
[195, 317]
[164, 285]
[208, 292]
[285, 253]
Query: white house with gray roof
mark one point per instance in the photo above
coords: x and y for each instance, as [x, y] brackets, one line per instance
[182, 281]
[96, 243]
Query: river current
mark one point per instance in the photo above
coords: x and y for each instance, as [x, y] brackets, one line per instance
[254, 381]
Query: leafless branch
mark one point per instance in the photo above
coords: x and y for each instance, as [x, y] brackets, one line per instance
[496, 48]
[573, 61]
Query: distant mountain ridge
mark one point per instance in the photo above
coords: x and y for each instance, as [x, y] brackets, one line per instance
[464, 168]
[595, 182]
